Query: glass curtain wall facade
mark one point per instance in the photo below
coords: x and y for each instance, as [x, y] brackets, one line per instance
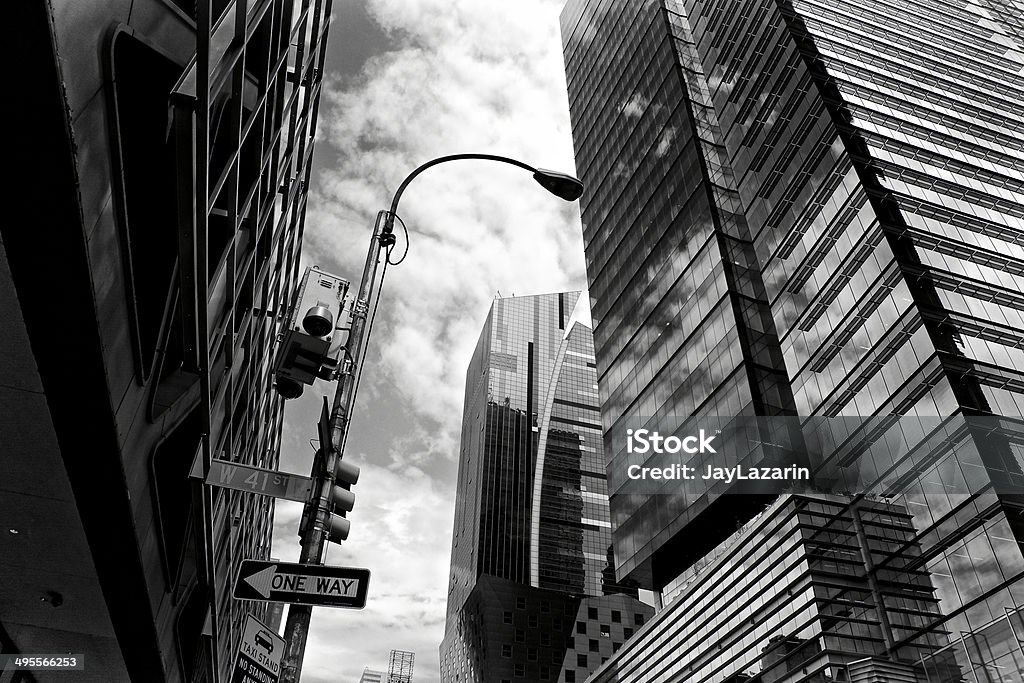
[681, 322]
[531, 510]
[876, 153]
[529, 377]
[787, 598]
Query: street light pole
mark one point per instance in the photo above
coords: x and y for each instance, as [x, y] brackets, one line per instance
[315, 538]
[559, 184]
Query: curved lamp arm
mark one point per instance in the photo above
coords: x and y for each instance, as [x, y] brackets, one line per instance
[560, 184]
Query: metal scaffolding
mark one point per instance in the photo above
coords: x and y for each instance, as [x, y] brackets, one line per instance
[400, 665]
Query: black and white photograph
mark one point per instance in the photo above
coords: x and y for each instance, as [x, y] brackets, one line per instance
[546, 341]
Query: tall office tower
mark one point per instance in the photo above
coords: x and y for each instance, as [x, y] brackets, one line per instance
[531, 541]
[400, 666]
[867, 157]
[163, 150]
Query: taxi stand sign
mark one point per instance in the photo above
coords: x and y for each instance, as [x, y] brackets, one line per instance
[259, 654]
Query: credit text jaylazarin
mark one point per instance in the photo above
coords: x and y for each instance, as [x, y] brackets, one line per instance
[644, 441]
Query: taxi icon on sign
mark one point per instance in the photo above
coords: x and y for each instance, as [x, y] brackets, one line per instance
[264, 640]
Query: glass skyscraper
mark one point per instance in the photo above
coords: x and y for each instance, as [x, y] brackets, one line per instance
[532, 535]
[817, 209]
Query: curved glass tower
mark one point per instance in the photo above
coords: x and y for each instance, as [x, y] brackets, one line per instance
[532, 537]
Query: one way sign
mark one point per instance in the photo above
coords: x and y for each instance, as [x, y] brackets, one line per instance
[302, 584]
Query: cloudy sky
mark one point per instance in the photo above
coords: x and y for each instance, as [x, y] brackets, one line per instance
[411, 80]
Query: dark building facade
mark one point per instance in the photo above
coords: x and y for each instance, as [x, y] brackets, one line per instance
[508, 631]
[165, 149]
[815, 209]
[788, 598]
[532, 536]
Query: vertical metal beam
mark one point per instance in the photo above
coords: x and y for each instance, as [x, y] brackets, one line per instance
[201, 286]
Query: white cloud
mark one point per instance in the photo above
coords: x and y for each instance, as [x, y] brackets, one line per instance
[477, 77]
[471, 76]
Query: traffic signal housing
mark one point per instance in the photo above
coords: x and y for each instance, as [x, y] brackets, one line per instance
[307, 345]
[341, 500]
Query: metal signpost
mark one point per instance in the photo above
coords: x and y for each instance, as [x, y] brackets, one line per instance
[302, 584]
[259, 654]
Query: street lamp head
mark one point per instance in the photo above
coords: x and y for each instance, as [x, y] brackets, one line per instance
[559, 184]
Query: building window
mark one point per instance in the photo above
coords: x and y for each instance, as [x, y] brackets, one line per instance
[592, 613]
[638, 619]
[520, 603]
[616, 616]
[506, 651]
[171, 462]
[570, 676]
[545, 638]
[556, 624]
[595, 646]
[616, 646]
[507, 617]
[146, 183]
[532, 620]
[545, 674]
[581, 627]
[545, 606]
[520, 670]
[189, 627]
[606, 631]
[581, 660]
[627, 632]
[531, 654]
[520, 636]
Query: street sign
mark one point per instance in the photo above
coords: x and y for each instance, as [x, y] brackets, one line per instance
[259, 654]
[302, 584]
[233, 475]
[323, 427]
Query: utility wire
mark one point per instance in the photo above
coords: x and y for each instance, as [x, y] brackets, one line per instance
[373, 313]
[390, 249]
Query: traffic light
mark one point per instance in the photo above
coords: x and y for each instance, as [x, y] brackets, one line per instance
[341, 500]
[308, 344]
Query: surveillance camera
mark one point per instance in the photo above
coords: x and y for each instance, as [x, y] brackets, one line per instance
[288, 388]
[318, 321]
